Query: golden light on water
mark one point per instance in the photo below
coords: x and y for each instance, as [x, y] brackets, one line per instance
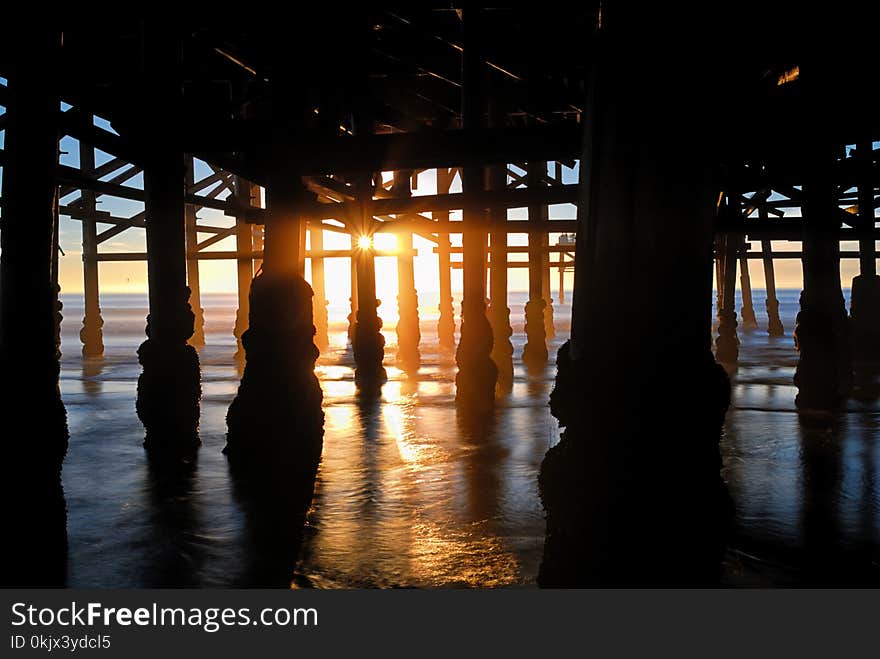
[788, 76]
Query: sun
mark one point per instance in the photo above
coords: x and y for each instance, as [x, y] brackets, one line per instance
[364, 242]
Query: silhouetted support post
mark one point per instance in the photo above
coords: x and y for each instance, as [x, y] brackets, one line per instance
[477, 373]
[446, 322]
[33, 415]
[353, 298]
[561, 282]
[192, 264]
[319, 301]
[257, 233]
[823, 373]
[774, 324]
[616, 393]
[408, 334]
[535, 349]
[865, 296]
[749, 322]
[499, 312]
[28, 295]
[56, 286]
[91, 334]
[368, 343]
[549, 325]
[244, 266]
[727, 343]
[275, 422]
[169, 386]
[301, 253]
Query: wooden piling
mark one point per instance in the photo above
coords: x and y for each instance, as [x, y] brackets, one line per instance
[535, 349]
[169, 386]
[192, 264]
[91, 334]
[244, 264]
[408, 334]
[774, 324]
[368, 343]
[747, 312]
[865, 294]
[824, 371]
[319, 287]
[446, 322]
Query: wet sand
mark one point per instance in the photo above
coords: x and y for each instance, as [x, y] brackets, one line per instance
[407, 496]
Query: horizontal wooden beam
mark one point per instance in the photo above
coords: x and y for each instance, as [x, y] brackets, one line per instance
[73, 177]
[223, 256]
[784, 229]
[565, 265]
[521, 249]
[76, 124]
[101, 171]
[846, 254]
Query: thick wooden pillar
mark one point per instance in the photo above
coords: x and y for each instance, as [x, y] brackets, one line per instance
[28, 295]
[282, 248]
[169, 387]
[353, 298]
[620, 386]
[865, 300]
[408, 334]
[774, 324]
[275, 422]
[749, 322]
[477, 373]
[561, 282]
[549, 323]
[258, 238]
[91, 334]
[244, 266]
[446, 322]
[368, 343]
[32, 414]
[535, 349]
[55, 279]
[821, 335]
[319, 301]
[727, 342]
[192, 264]
[499, 312]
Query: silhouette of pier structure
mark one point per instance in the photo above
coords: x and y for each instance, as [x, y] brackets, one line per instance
[286, 129]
